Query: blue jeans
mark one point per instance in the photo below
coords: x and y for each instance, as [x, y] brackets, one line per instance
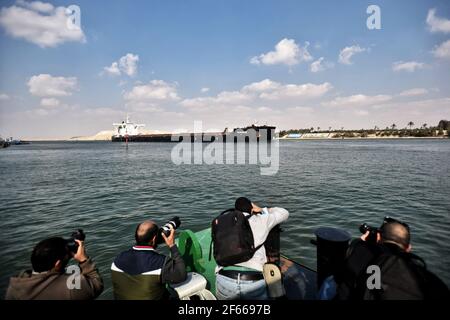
[234, 289]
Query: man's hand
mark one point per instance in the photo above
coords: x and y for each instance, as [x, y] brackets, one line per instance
[170, 240]
[365, 235]
[256, 209]
[80, 255]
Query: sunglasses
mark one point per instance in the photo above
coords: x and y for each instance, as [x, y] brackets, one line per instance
[388, 219]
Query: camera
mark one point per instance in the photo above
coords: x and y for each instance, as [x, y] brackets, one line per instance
[72, 245]
[175, 222]
[372, 237]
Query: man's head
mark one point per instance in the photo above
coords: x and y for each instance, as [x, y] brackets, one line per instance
[243, 204]
[397, 233]
[50, 254]
[145, 234]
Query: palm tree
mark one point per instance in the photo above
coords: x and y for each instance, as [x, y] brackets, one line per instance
[312, 129]
[410, 124]
[424, 125]
[393, 126]
[342, 128]
[329, 129]
[375, 128]
[318, 129]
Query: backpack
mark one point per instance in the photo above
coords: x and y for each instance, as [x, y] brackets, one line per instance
[232, 238]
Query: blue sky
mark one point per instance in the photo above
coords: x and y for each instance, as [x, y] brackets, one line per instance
[184, 46]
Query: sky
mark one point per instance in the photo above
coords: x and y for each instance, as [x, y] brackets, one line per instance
[72, 68]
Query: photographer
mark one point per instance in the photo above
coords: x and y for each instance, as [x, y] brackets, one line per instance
[244, 279]
[141, 273]
[48, 280]
[403, 275]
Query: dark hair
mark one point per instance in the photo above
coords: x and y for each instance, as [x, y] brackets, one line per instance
[396, 232]
[47, 252]
[243, 204]
[145, 238]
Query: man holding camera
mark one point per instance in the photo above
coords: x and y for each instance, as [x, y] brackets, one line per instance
[245, 280]
[403, 275]
[141, 273]
[48, 280]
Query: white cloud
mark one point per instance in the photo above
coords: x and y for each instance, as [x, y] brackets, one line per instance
[443, 50]
[436, 24]
[45, 85]
[308, 90]
[257, 92]
[113, 69]
[203, 90]
[413, 92]
[358, 100]
[223, 98]
[261, 86]
[319, 65]
[286, 52]
[155, 90]
[49, 102]
[126, 64]
[409, 66]
[40, 23]
[37, 6]
[347, 53]
[4, 96]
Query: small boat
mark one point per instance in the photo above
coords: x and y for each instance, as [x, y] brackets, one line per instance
[4, 143]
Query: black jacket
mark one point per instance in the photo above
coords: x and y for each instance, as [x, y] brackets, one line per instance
[403, 275]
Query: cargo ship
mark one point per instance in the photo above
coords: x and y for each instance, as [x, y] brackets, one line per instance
[128, 131]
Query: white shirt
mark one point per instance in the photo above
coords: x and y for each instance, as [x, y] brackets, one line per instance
[261, 224]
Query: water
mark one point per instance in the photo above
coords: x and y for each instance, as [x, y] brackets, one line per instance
[52, 188]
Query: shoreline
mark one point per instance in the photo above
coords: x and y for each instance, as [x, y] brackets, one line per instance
[279, 139]
[361, 138]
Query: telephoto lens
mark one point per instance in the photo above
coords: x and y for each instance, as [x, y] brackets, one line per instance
[175, 222]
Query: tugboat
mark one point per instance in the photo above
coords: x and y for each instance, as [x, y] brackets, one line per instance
[4, 143]
[128, 131]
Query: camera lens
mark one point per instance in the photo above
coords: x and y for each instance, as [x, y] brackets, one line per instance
[175, 222]
[72, 245]
[364, 228]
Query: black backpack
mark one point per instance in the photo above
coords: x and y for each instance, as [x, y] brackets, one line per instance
[232, 238]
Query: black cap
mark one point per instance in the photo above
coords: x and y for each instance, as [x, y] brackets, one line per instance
[243, 204]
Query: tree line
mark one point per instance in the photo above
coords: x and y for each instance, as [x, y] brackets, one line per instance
[410, 130]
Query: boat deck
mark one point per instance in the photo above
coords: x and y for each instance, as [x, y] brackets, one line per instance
[299, 280]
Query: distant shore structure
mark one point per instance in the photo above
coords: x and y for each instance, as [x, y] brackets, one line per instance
[128, 131]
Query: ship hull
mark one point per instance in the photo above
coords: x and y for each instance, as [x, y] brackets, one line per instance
[199, 137]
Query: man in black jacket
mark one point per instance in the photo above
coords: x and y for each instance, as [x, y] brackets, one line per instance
[141, 273]
[403, 275]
